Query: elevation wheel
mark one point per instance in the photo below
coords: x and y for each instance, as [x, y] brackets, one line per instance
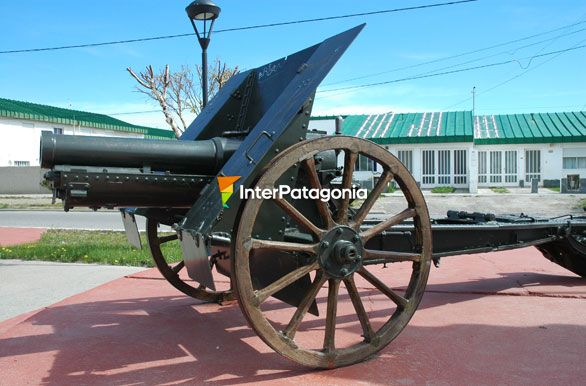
[335, 251]
[171, 272]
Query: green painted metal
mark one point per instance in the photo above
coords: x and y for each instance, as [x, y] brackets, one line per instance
[461, 126]
[402, 128]
[326, 117]
[153, 133]
[43, 113]
[530, 128]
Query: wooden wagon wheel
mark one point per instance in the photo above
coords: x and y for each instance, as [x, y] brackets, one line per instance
[337, 254]
[171, 272]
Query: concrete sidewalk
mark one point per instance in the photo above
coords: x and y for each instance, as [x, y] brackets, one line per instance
[501, 318]
[29, 285]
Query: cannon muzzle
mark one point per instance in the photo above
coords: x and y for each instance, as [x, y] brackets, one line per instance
[194, 157]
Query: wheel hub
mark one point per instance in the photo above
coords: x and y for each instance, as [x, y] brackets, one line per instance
[340, 252]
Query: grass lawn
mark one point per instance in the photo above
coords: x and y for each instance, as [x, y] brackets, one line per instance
[581, 203]
[443, 189]
[499, 189]
[554, 188]
[99, 247]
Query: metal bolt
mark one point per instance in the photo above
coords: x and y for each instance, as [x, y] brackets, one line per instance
[344, 271]
[356, 238]
[325, 244]
[339, 231]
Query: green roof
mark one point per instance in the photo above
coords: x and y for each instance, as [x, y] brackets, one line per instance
[530, 128]
[397, 128]
[153, 133]
[326, 117]
[31, 111]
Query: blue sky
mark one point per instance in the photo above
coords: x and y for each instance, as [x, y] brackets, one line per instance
[94, 79]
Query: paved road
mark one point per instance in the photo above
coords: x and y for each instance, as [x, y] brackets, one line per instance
[547, 205]
[63, 220]
[29, 285]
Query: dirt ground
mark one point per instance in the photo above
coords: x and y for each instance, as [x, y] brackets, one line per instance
[28, 201]
[542, 204]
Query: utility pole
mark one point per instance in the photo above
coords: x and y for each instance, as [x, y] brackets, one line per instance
[473, 101]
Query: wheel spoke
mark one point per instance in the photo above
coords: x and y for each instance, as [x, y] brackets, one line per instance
[291, 277]
[330, 333]
[322, 206]
[170, 270]
[400, 301]
[386, 224]
[166, 239]
[298, 216]
[281, 246]
[301, 310]
[376, 257]
[178, 267]
[350, 158]
[384, 179]
[359, 308]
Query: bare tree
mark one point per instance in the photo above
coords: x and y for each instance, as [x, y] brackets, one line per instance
[178, 92]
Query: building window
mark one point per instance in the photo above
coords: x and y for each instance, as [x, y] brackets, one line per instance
[574, 162]
[57, 130]
[428, 175]
[496, 166]
[511, 166]
[365, 164]
[22, 163]
[406, 158]
[482, 169]
[460, 167]
[532, 165]
[443, 163]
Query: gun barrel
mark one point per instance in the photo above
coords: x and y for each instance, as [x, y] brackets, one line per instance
[194, 157]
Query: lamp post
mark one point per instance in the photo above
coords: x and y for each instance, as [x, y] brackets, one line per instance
[204, 12]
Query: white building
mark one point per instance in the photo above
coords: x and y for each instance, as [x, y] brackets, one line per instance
[459, 150]
[21, 125]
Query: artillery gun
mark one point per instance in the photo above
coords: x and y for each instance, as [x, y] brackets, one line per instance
[254, 135]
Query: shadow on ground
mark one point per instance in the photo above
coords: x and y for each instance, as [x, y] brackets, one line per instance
[174, 339]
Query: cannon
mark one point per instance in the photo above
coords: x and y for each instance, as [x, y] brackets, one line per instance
[314, 255]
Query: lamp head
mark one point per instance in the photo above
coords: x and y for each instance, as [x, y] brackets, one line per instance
[203, 10]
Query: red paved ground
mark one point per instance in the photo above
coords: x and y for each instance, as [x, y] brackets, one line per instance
[13, 236]
[502, 318]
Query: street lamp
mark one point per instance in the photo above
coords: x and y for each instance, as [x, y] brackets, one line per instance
[207, 12]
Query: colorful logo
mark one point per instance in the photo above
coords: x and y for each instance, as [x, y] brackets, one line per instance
[227, 188]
